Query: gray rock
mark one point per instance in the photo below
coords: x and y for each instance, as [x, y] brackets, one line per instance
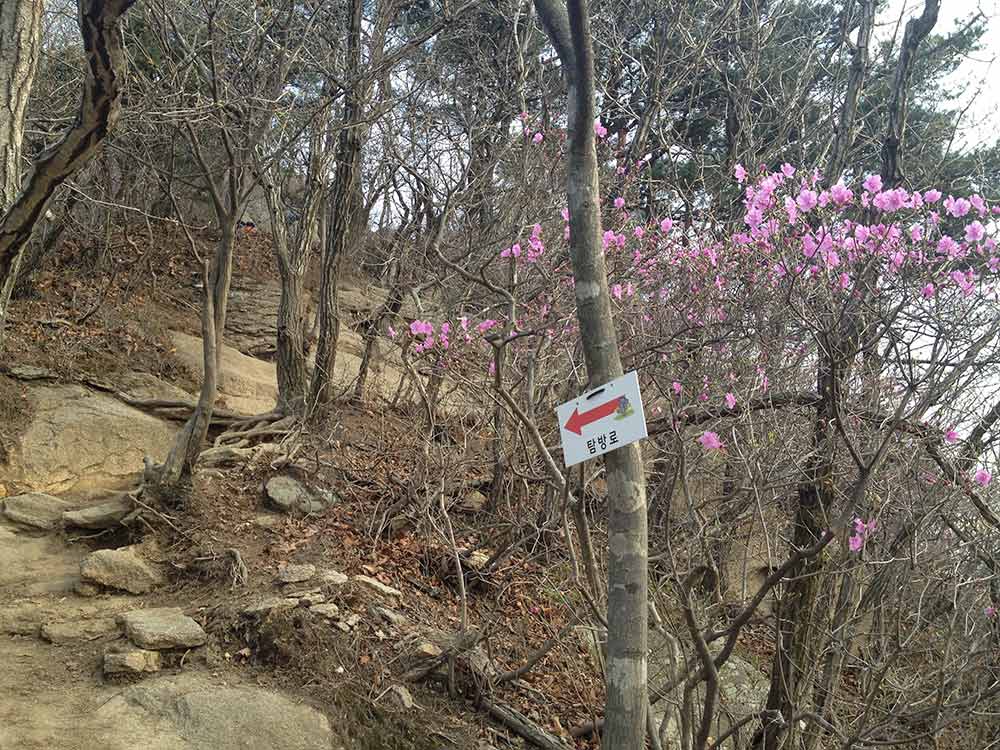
[306, 598]
[401, 696]
[78, 630]
[103, 516]
[390, 616]
[35, 509]
[334, 578]
[267, 605]
[268, 521]
[296, 573]
[289, 496]
[132, 661]
[377, 586]
[326, 610]
[162, 628]
[194, 712]
[124, 568]
[473, 501]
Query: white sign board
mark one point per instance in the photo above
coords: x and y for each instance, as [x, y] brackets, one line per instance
[602, 420]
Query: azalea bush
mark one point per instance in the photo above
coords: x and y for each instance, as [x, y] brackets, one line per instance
[840, 335]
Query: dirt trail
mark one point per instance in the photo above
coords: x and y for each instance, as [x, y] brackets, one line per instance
[53, 695]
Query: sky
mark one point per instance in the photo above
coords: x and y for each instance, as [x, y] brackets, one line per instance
[981, 73]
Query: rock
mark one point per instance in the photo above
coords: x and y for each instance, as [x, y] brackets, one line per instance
[268, 521]
[247, 385]
[132, 661]
[425, 650]
[422, 649]
[296, 573]
[195, 712]
[326, 610]
[79, 630]
[85, 589]
[80, 438]
[377, 586]
[35, 509]
[162, 628]
[103, 516]
[473, 501]
[289, 496]
[36, 564]
[306, 598]
[390, 616]
[271, 603]
[333, 578]
[401, 696]
[124, 568]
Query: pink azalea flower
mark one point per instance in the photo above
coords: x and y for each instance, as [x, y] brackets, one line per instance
[928, 291]
[616, 291]
[599, 130]
[840, 194]
[957, 207]
[788, 170]
[537, 138]
[856, 543]
[974, 232]
[731, 399]
[639, 233]
[666, 225]
[710, 441]
[951, 436]
[990, 611]
[982, 477]
[873, 183]
[932, 196]
[807, 200]
[740, 173]
[619, 202]
[677, 387]
[392, 332]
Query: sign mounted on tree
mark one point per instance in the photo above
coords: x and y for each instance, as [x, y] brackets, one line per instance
[602, 420]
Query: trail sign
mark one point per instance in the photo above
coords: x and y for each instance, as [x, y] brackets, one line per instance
[602, 420]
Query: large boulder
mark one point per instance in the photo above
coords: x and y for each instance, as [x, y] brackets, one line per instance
[197, 714]
[35, 509]
[246, 385]
[125, 569]
[162, 628]
[36, 564]
[79, 438]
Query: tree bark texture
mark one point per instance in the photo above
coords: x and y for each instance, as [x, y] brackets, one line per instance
[292, 253]
[20, 39]
[625, 712]
[98, 112]
[343, 205]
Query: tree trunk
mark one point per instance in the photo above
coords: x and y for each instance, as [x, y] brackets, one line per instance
[343, 205]
[625, 711]
[99, 109]
[179, 464]
[291, 344]
[20, 39]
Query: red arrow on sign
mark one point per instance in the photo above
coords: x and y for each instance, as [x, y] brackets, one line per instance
[578, 421]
